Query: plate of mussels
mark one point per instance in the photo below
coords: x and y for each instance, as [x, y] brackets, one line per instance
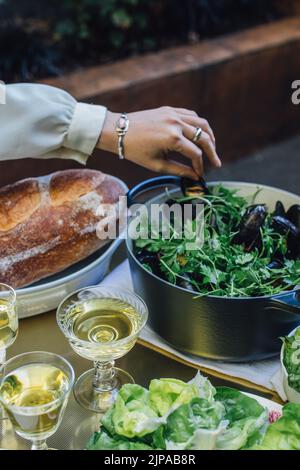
[232, 298]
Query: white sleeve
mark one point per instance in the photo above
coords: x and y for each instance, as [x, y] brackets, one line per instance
[41, 121]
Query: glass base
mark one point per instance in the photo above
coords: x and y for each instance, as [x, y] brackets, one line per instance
[95, 400]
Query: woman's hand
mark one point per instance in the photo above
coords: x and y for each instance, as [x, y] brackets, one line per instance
[154, 133]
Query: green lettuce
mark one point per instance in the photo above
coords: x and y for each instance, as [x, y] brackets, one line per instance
[169, 394]
[194, 425]
[175, 415]
[138, 411]
[132, 414]
[205, 388]
[104, 441]
[284, 434]
[245, 416]
[291, 359]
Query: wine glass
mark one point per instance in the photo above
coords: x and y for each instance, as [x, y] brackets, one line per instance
[8, 323]
[34, 391]
[102, 324]
[8, 319]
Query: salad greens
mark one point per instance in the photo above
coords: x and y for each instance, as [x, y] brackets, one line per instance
[284, 434]
[222, 267]
[166, 394]
[175, 415]
[246, 417]
[291, 359]
[194, 425]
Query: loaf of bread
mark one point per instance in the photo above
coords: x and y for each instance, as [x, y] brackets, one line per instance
[51, 222]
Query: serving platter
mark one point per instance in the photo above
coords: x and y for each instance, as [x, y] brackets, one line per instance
[46, 294]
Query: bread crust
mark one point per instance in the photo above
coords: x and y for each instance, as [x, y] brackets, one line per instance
[50, 223]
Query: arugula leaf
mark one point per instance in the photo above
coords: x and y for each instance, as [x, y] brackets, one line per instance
[221, 267]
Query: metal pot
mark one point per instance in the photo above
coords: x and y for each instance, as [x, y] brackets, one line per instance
[231, 329]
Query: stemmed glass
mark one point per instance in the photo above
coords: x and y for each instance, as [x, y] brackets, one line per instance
[34, 392]
[8, 319]
[102, 324]
[8, 323]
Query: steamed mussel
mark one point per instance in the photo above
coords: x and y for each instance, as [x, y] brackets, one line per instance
[275, 264]
[279, 209]
[150, 260]
[250, 225]
[192, 188]
[285, 227]
[293, 214]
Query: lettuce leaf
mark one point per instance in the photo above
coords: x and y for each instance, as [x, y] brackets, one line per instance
[138, 412]
[104, 441]
[168, 394]
[132, 414]
[194, 425]
[205, 388]
[246, 419]
[284, 434]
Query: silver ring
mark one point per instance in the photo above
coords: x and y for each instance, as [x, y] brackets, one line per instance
[197, 134]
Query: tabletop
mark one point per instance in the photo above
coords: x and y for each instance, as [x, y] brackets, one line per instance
[41, 333]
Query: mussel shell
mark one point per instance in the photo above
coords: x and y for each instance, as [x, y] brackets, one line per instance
[284, 226]
[279, 209]
[151, 259]
[249, 229]
[193, 188]
[185, 283]
[193, 212]
[275, 264]
[293, 214]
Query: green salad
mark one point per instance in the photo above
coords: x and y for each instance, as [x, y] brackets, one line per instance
[291, 359]
[247, 251]
[175, 415]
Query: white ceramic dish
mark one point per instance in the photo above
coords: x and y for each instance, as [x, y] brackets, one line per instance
[46, 294]
[291, 394]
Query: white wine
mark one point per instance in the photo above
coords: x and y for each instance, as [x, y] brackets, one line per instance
[102, 322]
[33, 396]
[8, 323]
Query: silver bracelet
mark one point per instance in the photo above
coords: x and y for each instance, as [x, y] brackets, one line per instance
[122, 125]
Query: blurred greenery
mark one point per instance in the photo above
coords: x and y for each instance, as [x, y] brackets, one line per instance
[50, 37]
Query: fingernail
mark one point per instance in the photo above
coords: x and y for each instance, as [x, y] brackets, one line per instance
[218, 161]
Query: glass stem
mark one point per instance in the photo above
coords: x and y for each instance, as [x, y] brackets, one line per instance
[2, 360]
[2, 356]
[39, 445]
[104, 378]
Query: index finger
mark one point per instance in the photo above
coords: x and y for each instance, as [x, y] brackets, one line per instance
[207, 145]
